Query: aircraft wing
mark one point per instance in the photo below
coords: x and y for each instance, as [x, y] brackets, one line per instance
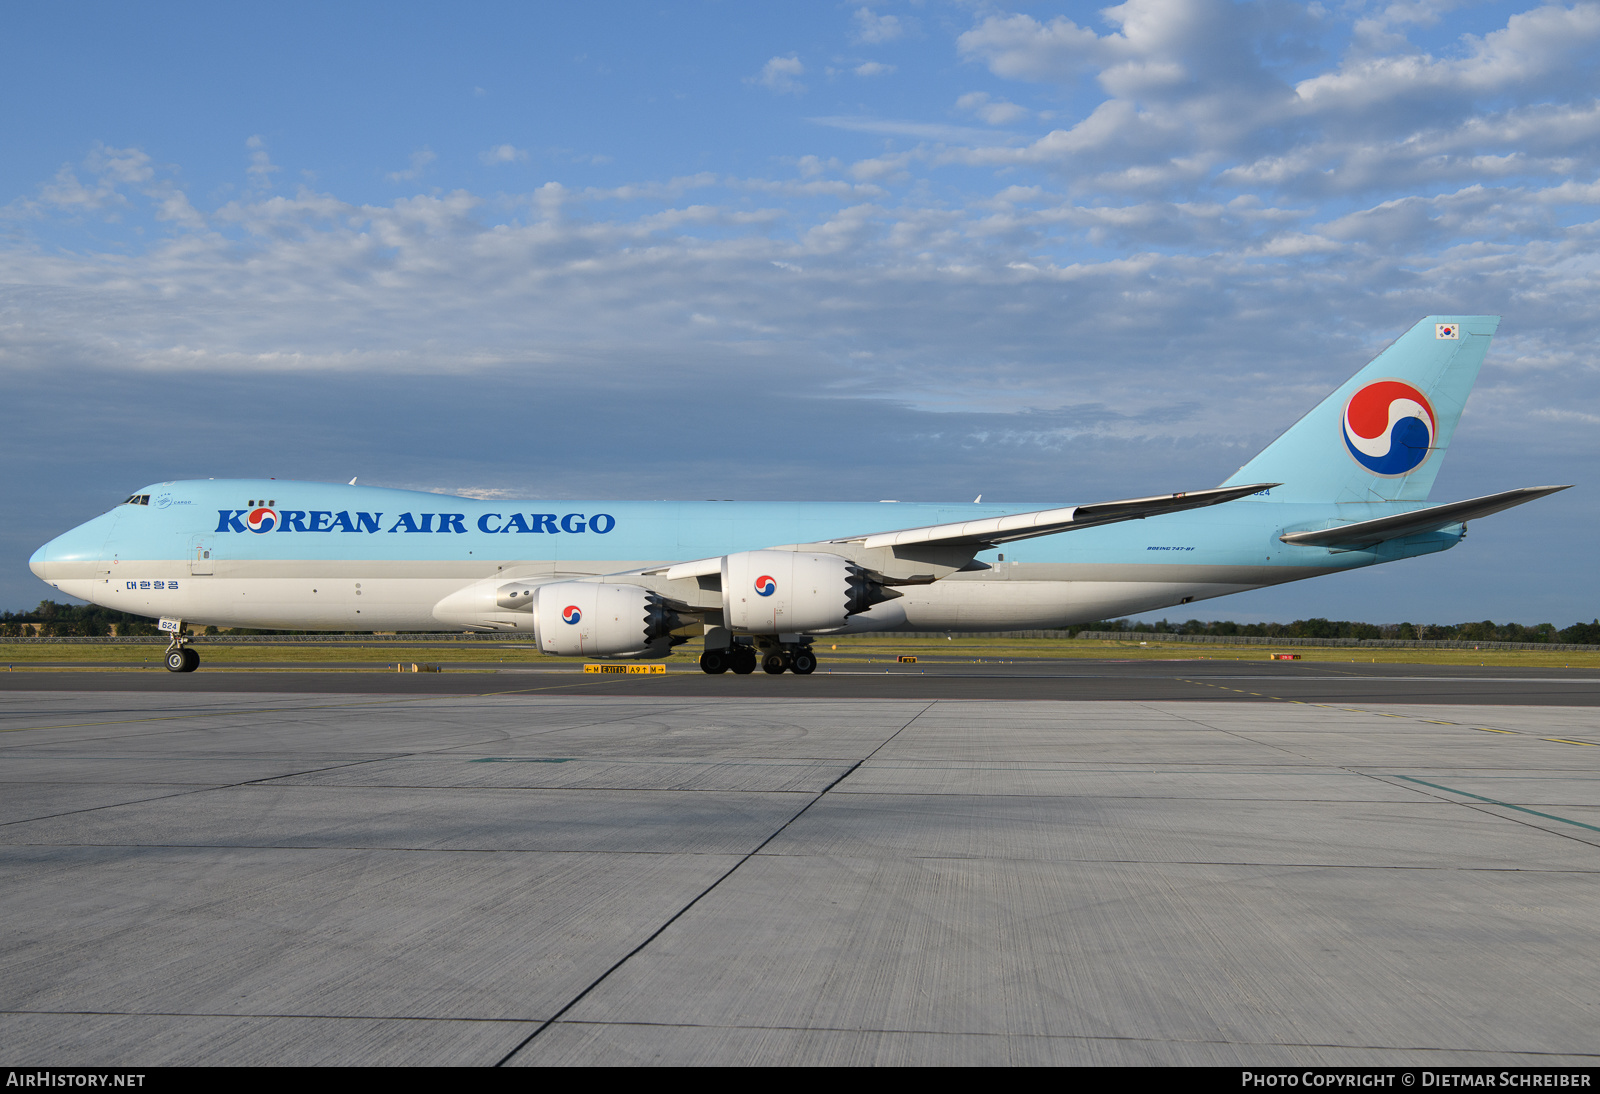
[1368, 532]
[990, 531]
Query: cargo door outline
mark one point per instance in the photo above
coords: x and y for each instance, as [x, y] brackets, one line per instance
[201, 552]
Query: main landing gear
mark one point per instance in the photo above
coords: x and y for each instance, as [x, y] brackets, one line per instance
[774, 660]
[741, 659]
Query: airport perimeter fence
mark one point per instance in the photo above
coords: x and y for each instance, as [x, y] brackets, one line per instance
[958, 634]
[1357, 643]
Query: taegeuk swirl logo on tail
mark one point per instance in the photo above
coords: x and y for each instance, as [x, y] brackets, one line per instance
[1389, 427]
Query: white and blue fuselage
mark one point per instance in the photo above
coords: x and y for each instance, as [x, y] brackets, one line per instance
[1345, 487]
[365, 558]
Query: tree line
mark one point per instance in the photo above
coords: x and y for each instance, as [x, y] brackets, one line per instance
[50, 619]
[1486, 631]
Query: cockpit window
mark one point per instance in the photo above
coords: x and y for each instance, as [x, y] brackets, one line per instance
[138, 499]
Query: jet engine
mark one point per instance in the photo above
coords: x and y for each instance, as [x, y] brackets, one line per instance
[795, 592]
[588, 619]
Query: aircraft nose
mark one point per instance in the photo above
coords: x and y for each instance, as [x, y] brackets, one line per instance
[85, 543]
[37, 561]
[67, 547]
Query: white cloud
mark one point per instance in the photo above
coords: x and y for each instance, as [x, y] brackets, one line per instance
[65, 191]
[812, 166]
[921, 131]
[1535, 50]
[1020, 47]
[781, 74]
[172, 206]
[124, 165]
[261, 167]
[113, 173]
[502, 153]
[1196, 96]
[890, 167]
[811, 188]
[873, 68]
[432, 282]
[873, 29]
[667, 190]
[419, 161]
[992, 110]
[1565, 415]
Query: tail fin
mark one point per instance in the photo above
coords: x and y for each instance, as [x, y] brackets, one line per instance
[1381, 436]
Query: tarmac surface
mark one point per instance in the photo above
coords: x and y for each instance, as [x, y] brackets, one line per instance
[284, 868]
[1072, 679]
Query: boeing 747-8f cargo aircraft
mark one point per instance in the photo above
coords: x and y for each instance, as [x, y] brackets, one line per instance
[1345, 487]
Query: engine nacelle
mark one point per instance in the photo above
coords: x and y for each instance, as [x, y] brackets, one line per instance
[588, 619]
[794, 592]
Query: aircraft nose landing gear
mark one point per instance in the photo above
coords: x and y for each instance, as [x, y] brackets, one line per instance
[180, 658]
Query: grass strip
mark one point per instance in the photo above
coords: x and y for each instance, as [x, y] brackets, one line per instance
[866, 649]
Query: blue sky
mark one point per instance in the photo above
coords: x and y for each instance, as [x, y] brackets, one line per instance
[1041, 252]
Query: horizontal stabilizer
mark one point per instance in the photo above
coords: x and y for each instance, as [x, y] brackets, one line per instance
[992, 531]
[1368, 532]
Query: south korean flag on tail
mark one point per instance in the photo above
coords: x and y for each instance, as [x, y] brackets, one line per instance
[1447, 330]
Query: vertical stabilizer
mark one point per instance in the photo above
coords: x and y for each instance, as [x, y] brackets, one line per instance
[1381, 436]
